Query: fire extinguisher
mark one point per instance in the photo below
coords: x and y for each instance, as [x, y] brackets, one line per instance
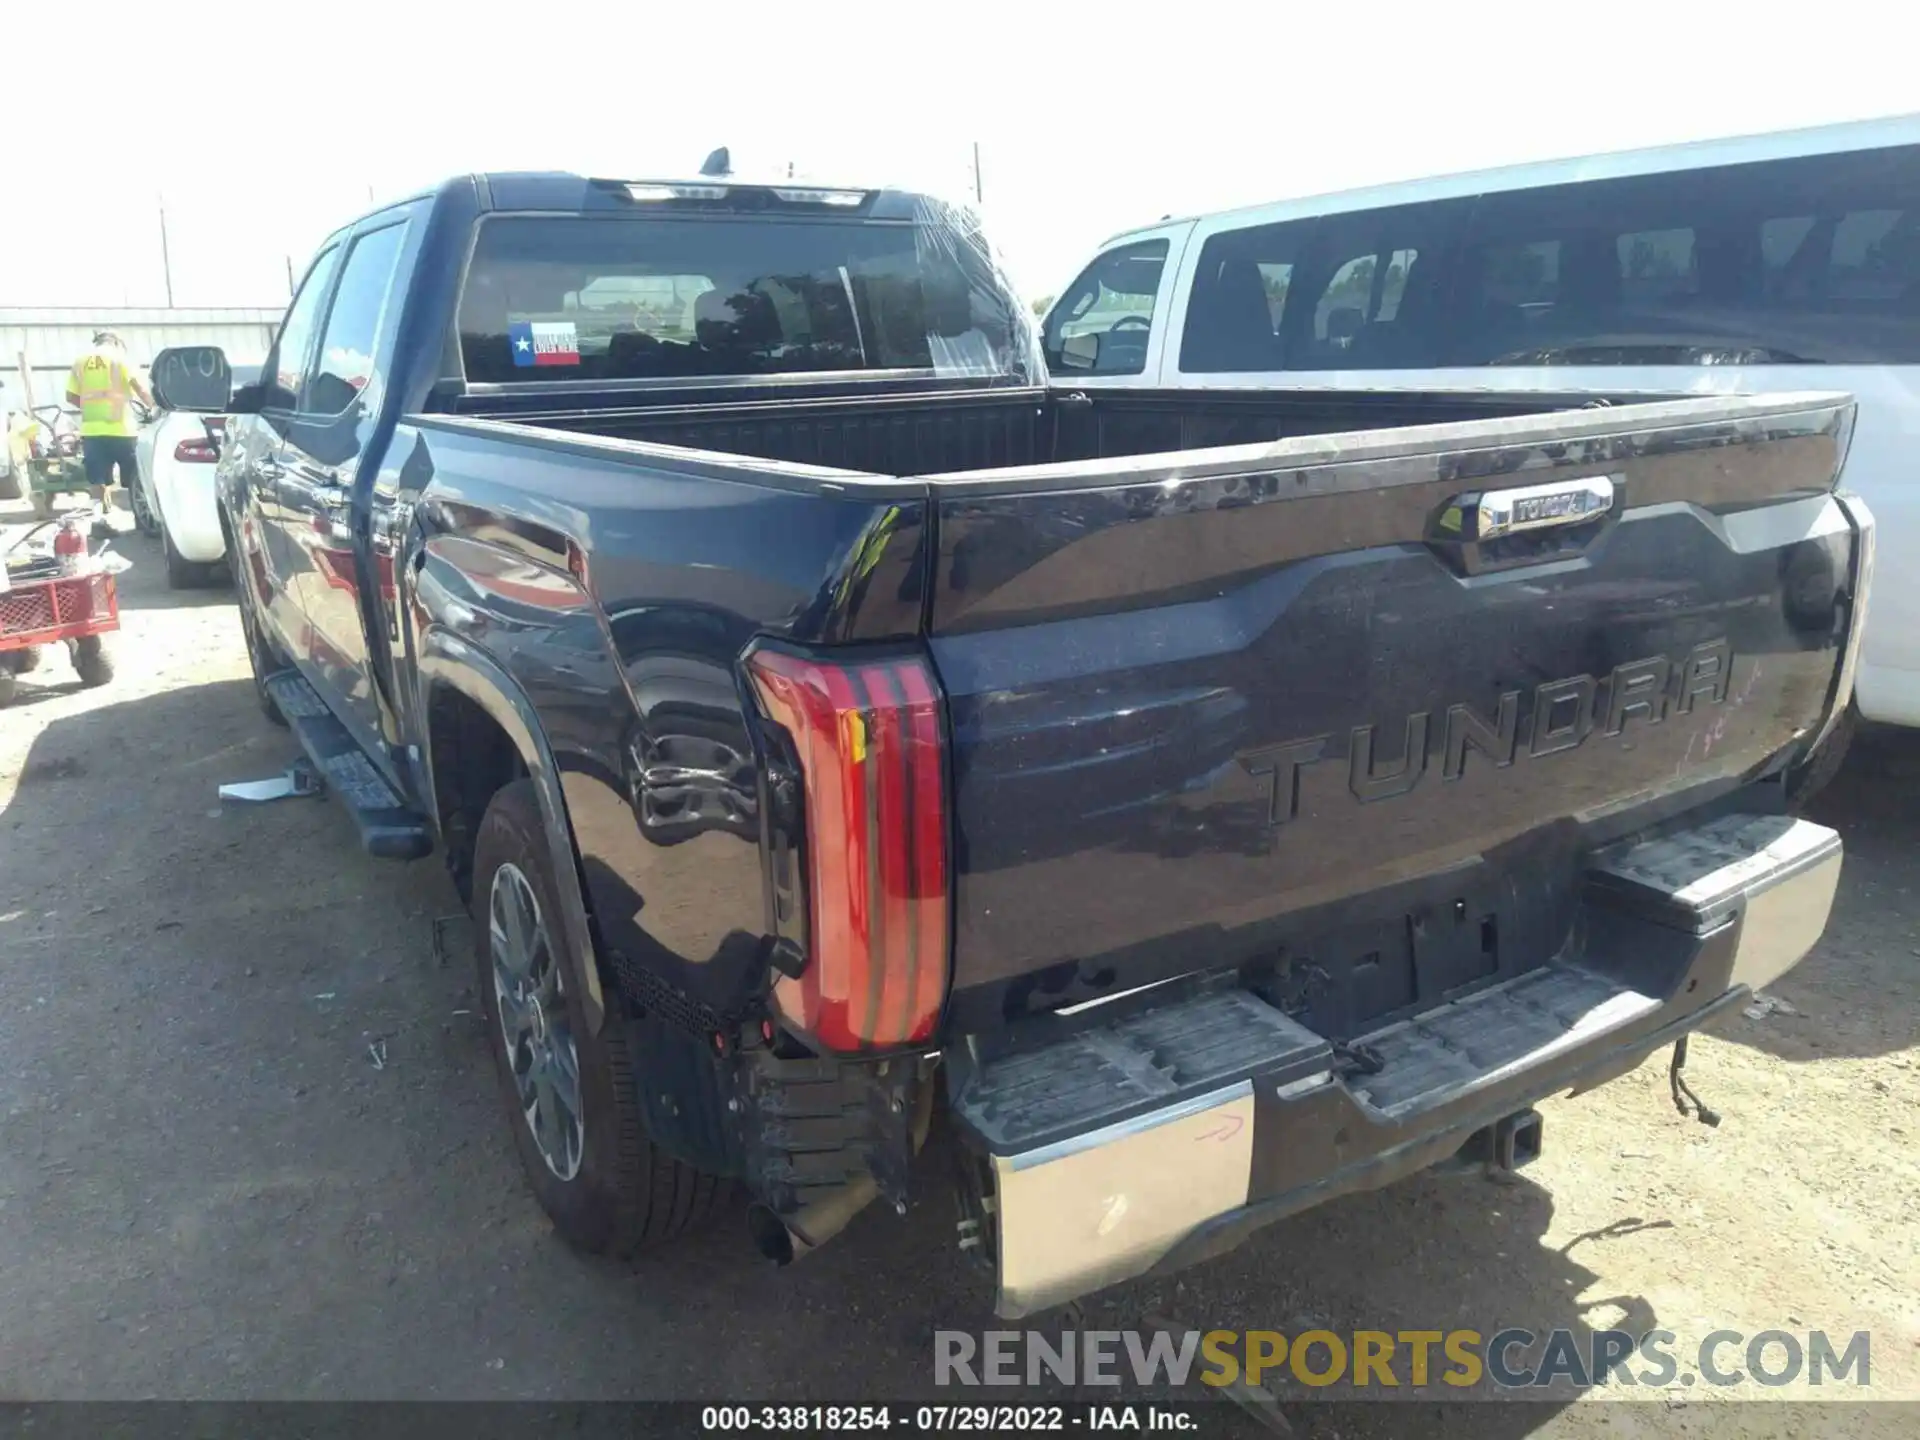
[70, 547]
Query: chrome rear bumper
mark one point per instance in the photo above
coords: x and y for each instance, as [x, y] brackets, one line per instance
[1222, 1115]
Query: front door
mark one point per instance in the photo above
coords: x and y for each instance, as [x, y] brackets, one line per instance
[323, 490]
[257, 452]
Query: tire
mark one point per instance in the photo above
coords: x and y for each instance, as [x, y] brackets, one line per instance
[261, 656]
[623, 1196]
[8, 687]
[1820, 768]
[182, 573]
[144, 520]
[92, 661]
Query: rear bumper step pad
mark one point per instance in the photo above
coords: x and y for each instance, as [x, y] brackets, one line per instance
[1145, 1063]
[1161, 1137]
[389, 829]
[1478, 1040]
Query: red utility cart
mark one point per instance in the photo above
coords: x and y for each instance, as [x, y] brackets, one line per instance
[40, 605]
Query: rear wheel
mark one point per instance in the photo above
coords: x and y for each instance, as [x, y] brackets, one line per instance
[91, 660]
[182, 573]
[571, 1097]
[144, 520]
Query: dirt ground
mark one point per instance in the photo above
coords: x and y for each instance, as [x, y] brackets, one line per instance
[251, 1146]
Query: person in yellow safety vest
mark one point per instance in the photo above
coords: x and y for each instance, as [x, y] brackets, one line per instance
[101, 385]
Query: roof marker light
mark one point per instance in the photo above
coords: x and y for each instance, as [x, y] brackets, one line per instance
[676, 192]
[795, 195]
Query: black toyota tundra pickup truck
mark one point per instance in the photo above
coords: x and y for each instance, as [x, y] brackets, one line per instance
[1184, 806]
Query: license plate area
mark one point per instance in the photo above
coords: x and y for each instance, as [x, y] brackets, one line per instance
[1468, 931]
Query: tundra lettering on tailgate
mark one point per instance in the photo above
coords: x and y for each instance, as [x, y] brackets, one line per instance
[1563, 715]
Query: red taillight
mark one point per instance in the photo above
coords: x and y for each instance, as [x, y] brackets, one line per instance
[196, 452]
[868, 737]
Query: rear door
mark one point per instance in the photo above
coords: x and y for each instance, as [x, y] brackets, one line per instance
[1278, 703]
[326, 442]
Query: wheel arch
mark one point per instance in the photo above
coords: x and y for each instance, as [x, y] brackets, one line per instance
[455, 673]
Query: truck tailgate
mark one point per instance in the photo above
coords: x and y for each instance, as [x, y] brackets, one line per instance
[1354, 705]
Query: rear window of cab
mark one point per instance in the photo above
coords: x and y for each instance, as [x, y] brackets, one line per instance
[686, 297]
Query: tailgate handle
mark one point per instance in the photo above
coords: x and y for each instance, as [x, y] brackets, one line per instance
[1538, 507]
[1479, 531]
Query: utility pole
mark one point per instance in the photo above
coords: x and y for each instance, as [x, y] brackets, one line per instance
[976, 172]
[289, 276]
[166, 258]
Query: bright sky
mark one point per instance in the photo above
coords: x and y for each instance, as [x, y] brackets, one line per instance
[261, 134]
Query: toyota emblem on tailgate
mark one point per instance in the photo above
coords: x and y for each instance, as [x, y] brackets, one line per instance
[1537, 507]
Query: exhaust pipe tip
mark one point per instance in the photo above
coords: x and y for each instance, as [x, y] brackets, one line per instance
[770, 1235]
[784, 1241]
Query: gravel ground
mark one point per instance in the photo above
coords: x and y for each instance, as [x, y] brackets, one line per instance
[209, 1189]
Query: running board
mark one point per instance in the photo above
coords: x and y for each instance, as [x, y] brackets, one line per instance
[389, 828]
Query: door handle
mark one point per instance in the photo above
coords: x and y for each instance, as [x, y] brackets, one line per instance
[268, 469]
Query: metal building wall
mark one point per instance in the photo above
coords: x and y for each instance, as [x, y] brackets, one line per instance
[52, 338]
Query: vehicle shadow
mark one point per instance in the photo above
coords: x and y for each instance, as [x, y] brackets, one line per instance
[52, 678]
[1463, 1253]
[154, 740]
[151, 591]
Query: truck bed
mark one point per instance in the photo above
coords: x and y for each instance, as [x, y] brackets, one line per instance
[916, 433]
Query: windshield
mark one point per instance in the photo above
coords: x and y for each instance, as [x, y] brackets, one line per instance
[672, 297]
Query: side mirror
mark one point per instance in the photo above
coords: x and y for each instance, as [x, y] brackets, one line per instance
[1081, 352]
[194, 378]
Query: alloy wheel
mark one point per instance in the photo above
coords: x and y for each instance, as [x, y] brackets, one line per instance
[530, 996]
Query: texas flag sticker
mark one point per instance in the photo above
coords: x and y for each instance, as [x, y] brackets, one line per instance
[544, 343]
